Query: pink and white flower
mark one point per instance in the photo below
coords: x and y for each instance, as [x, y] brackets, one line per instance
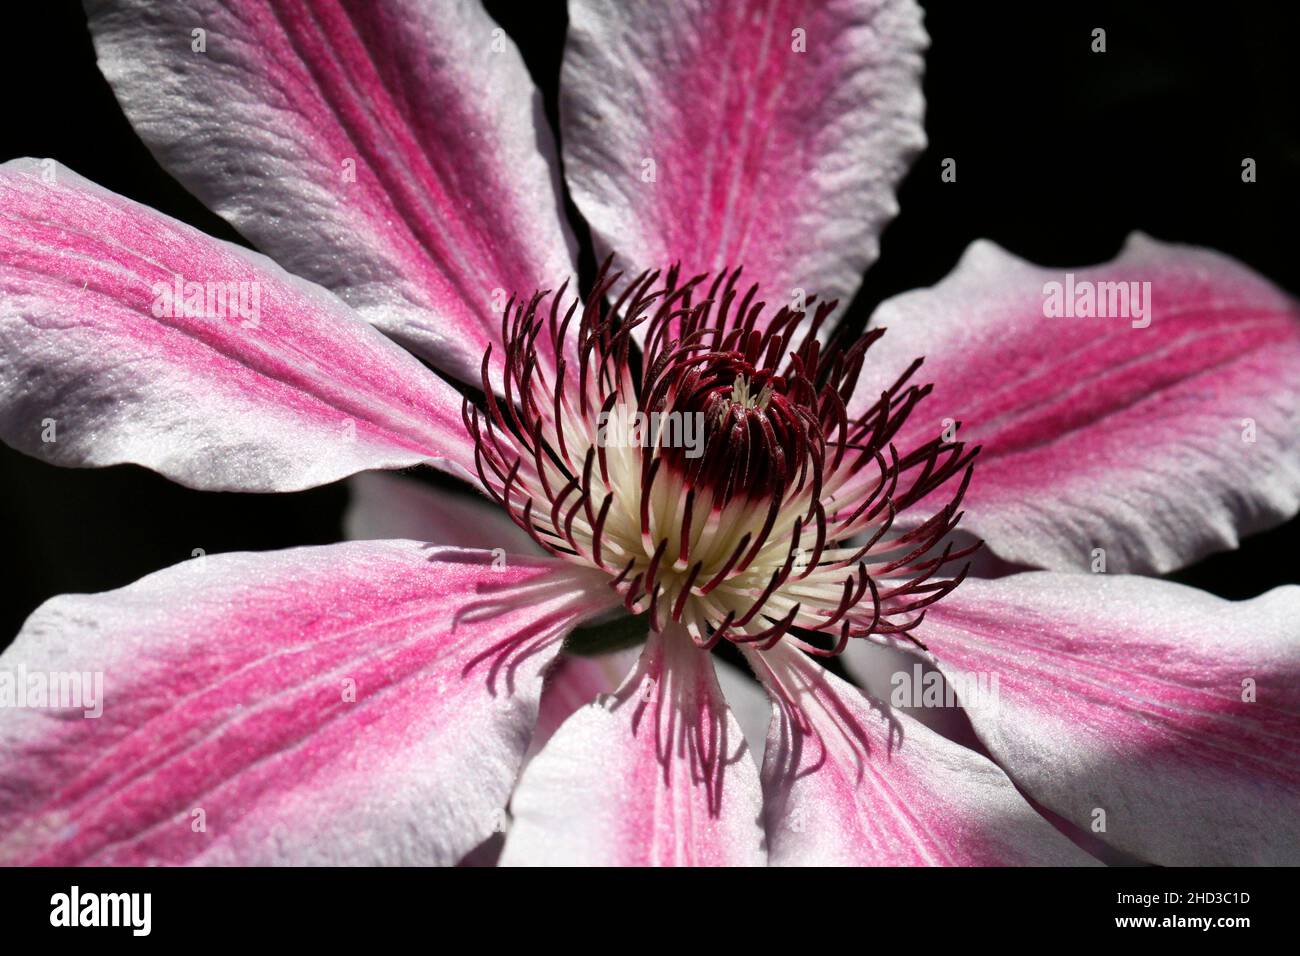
[374, 701]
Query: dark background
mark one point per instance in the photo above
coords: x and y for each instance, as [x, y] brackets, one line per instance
[1060, 153]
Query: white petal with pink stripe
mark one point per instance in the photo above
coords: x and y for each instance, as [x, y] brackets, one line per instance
[394, 151]
[101, 364]
[1161, 718]
[1156, 443]
[658, 774]
[847, 782]
[768, 135]
[360, 703]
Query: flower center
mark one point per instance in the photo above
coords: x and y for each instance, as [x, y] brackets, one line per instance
[754, 435]
[715, 472]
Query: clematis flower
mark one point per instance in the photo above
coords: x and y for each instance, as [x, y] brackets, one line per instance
[374, 701]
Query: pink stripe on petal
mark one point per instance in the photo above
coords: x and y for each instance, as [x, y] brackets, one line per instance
[1158, 443]
[357, 703]
[99, 365]
[755, 134]
[1174, 712]
[847, 782]
[656, 775]
[394, 151]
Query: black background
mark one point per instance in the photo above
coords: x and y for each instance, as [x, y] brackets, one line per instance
[340, 910]
[1061, 152]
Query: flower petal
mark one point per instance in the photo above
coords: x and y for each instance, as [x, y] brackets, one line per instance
[393, 151]
[383, 505]
[1157, 444]
[573, 683]
[847, 783]
[762, 135]
[99, 365]
[367, 702]
[748, 704]
[658, 774]
[1129, 696]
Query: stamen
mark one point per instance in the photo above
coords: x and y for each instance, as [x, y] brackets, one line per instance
[743, 507]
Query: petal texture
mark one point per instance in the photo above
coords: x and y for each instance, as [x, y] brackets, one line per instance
[574, 682]
[360, 703]
[1157, 438]
[656, 775]
[393, 151]
[250, 379]
[723, 134]
[849, 783]
[382, 505]
[1165, 715]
